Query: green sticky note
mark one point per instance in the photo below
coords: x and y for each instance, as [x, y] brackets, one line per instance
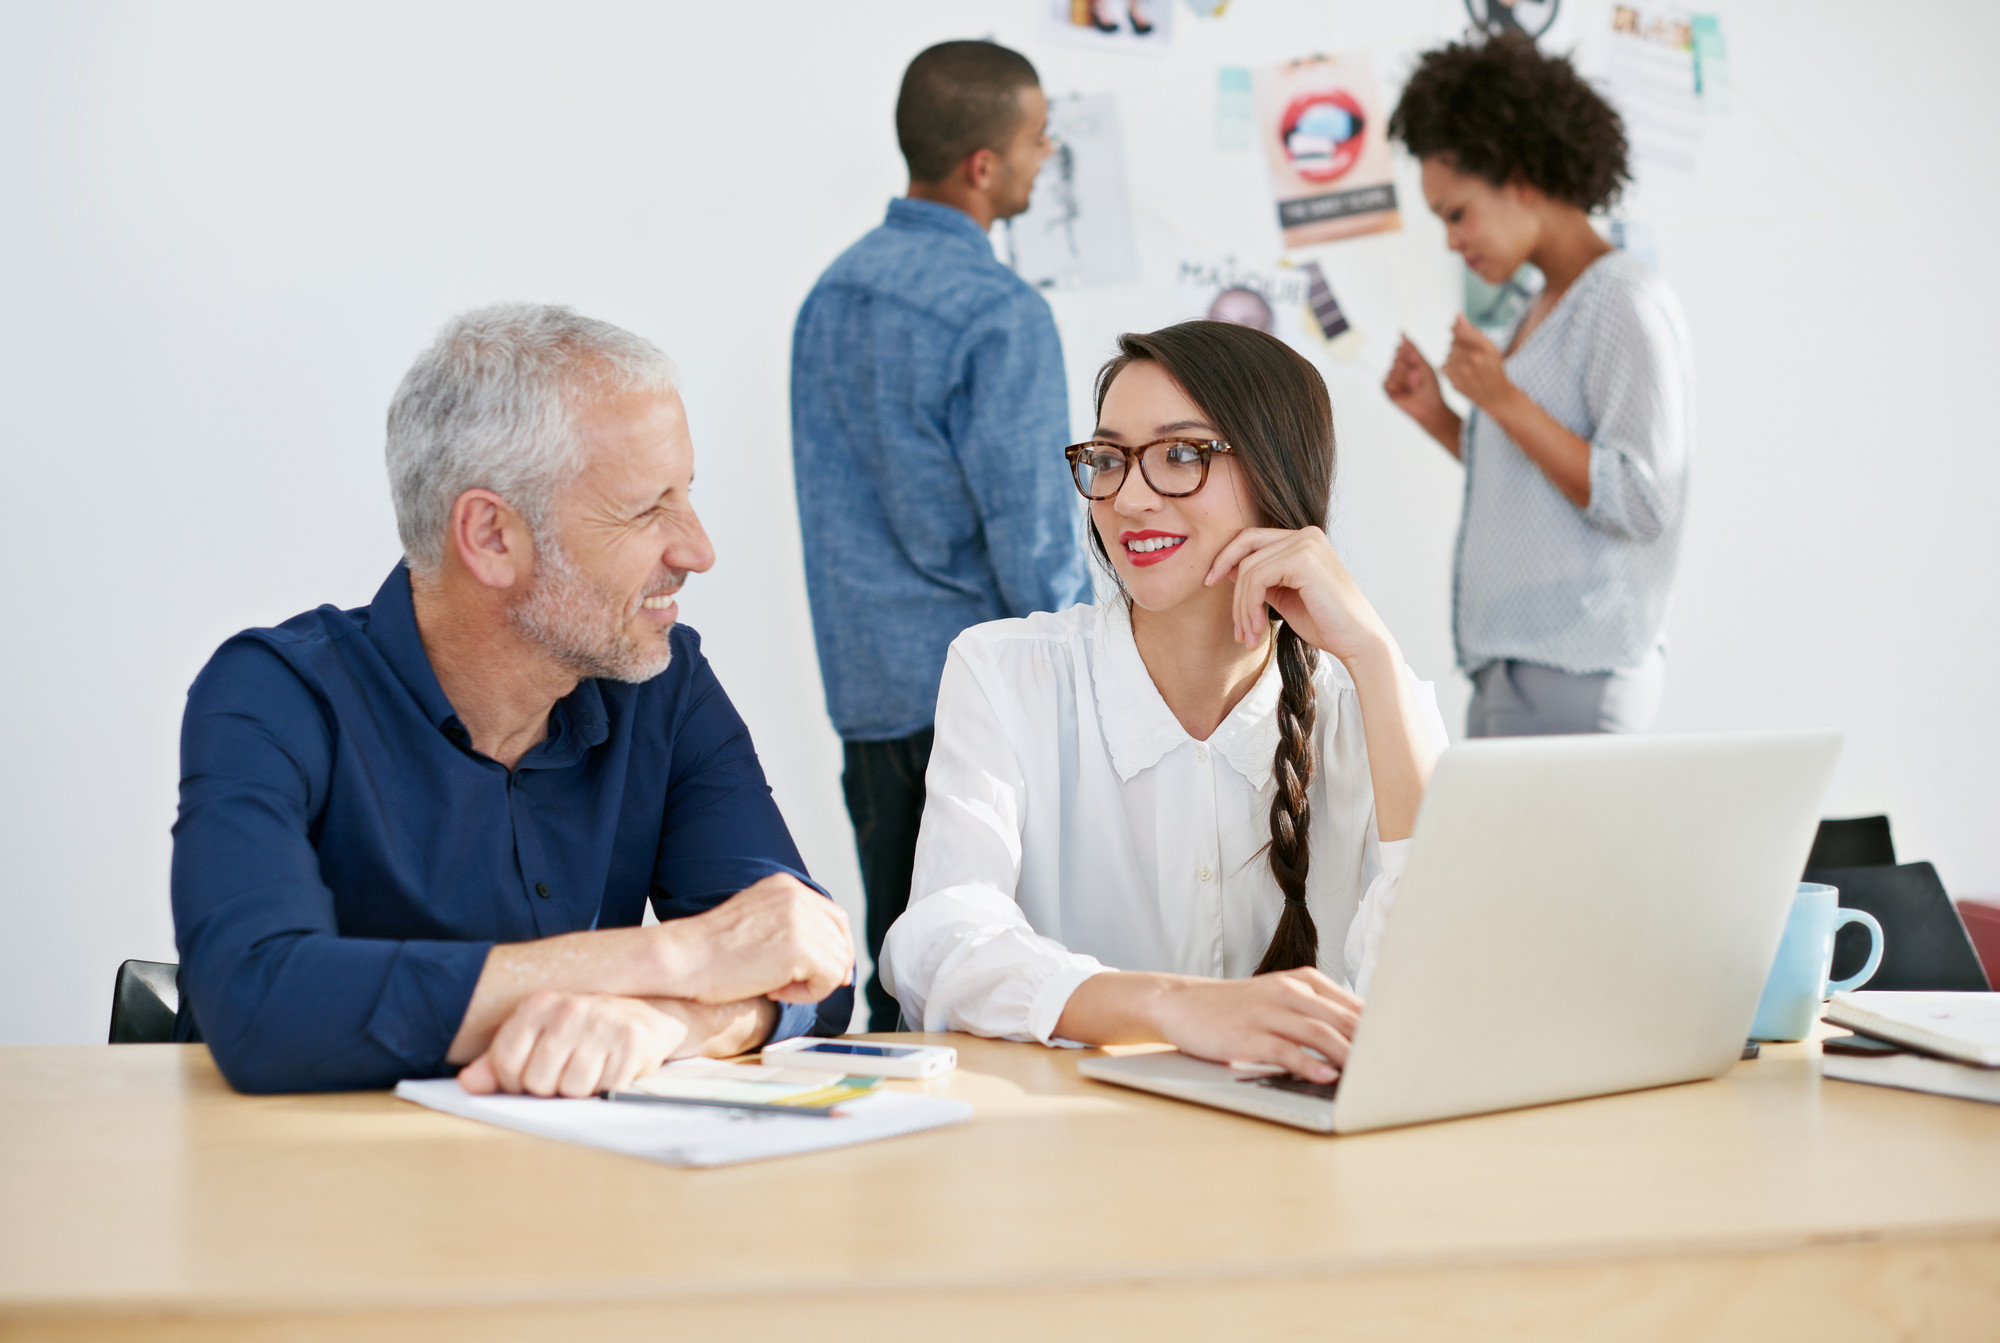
[1711, 59]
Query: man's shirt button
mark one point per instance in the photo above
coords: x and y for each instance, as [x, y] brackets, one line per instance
[542, 889]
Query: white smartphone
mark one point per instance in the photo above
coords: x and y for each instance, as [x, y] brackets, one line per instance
[864, 1058]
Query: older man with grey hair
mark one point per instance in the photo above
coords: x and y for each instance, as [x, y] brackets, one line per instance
[420, 835]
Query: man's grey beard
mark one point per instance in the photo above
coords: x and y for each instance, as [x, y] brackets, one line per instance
[581, 626]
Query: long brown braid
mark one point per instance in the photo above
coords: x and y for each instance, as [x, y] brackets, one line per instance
[1272, 407]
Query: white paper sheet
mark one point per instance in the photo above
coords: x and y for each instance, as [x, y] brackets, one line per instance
[686, 1135]
[1077, 229]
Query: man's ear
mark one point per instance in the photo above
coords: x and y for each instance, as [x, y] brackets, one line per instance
[981, 166]
[490, 539]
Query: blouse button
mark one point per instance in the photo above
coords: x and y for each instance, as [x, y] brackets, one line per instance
[1204, 873]
[1201, 758]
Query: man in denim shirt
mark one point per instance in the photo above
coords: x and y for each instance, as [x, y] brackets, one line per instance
[929, 414]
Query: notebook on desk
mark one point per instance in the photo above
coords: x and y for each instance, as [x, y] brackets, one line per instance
[692, 1135]
[1579, 916]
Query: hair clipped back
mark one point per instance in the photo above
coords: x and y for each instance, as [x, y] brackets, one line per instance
[1501, 109]
[1271, 405]
[958, 97]
[491, 405]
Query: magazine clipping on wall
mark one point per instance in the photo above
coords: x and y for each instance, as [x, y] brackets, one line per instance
[1656, 89]
[1270, 299]
[1134, 27]
[1077, 229]
[1322, 122]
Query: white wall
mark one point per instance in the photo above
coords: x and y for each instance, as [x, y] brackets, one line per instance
[226, 228]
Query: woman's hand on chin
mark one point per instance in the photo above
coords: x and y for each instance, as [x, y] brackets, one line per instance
[1271, 1019]
[1298, 575]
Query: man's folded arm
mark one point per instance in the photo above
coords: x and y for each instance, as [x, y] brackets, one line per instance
[284, 1002]
[723, 832]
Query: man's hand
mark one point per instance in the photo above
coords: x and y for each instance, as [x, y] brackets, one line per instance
[1475, 366]
[574, 1044]
[779, 939]
[1270, 1018]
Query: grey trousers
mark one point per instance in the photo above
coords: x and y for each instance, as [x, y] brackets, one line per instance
[1523, 699]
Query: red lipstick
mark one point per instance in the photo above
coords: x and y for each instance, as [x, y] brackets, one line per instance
[1145, 558]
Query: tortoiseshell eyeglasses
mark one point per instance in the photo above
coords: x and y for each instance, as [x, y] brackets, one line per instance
[1173, 468]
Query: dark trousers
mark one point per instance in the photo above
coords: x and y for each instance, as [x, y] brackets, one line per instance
[884, 783]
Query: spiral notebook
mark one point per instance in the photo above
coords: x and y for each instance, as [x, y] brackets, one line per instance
[690, 1135]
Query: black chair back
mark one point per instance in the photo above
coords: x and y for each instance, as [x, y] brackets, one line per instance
[1924, 944]
[1860, 842]
[144, 1002]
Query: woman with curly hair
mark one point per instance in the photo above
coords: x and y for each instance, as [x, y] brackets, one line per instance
[1181, 814]
[1576, 449]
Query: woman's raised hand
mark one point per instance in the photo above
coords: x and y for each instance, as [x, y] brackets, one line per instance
[1413, 385]
[1475, 365]
[1272, 1018]
[1298, 575]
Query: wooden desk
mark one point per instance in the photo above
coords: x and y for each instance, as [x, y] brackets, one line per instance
[139, 1197]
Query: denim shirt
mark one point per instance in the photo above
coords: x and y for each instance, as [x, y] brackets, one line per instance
[344, 859]
[929, 413]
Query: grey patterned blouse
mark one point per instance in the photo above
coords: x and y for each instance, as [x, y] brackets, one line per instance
[1538, 579]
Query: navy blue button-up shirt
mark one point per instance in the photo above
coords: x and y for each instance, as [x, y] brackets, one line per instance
[344, 860]
[929, 414]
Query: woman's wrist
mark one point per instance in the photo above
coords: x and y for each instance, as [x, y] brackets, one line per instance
[1120, 1007]
[1505, 404]
[1444, 423]
[1375, 656]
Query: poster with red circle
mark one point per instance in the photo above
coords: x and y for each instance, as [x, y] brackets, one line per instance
[1322, 124]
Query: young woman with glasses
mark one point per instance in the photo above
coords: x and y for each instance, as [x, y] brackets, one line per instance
[1179, 815]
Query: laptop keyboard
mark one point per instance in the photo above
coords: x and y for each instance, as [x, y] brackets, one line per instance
[1287, 1082]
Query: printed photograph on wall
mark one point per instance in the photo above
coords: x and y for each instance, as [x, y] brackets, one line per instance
[1497, 308]
[1321, 121]
[1141, 27]
[1654, 82]
[1077, 229]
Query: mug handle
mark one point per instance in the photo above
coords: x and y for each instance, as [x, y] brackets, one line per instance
[1843, 917]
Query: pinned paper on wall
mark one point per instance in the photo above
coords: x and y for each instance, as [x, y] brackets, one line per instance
[1321, 121]
[1137, 27]
[1077, 229]
[1320, 301]
[1654, 86]
[1244, 307]
[1271, 300]
[1495, 18]
[1497, 308]
[1711, 63]
[1233, 112]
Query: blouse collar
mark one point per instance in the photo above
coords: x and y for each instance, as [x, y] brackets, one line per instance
[1139, 728]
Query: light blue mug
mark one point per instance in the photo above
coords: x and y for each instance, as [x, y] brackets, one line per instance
[1796, 987]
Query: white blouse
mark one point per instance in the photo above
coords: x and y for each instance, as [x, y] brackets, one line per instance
[1072, 826]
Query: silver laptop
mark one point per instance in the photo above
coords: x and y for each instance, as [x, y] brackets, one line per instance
[1580, 915]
